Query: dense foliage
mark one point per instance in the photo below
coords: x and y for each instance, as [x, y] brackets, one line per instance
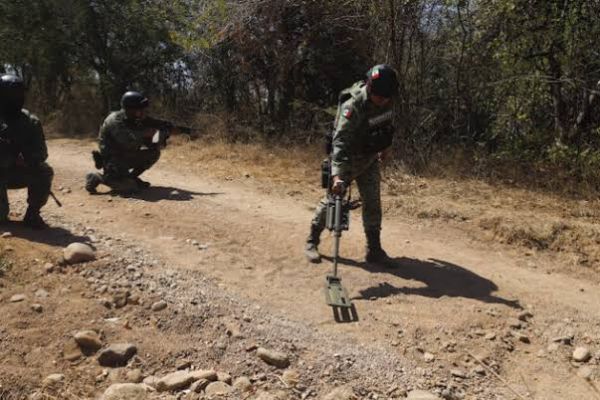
[495, 80]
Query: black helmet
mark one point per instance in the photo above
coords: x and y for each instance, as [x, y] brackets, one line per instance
[12, 95]
[383, 80]
[134, 100]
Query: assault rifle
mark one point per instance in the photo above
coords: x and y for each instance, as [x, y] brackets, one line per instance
[158, 132]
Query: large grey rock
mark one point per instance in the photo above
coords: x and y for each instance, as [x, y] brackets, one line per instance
[422, 395]
[88, 341]
[126, 391]
[275, 358]
[117, 355]
[78, 252]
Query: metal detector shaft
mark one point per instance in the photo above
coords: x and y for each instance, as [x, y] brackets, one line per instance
[337, 233]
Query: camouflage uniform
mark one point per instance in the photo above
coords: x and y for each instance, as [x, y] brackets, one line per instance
[353, 157]
[121, 147]
[23, 139]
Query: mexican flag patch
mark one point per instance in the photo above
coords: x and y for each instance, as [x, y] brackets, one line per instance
[347, 113]
[375, 73]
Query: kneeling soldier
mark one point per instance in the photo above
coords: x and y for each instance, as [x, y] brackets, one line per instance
[23, 153]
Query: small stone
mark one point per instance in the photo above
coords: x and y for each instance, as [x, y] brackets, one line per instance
[341, 393]
[242, 384]
[479, 370]
[291, 377]
[581, 354]
[183, 379]
[17, 298]
[552, 347]
[521, 337]
[585, 372]
[125, 391]
[88, 341]
[525, 316]
[218, 388]
[224, 377]
[151, 381]
[37, 308]
[199, 385]
[134, 376]
[183, 364]
[53, 379]
[117, 355]
[48, 268]
[159, 305]
[41, 294]
[490, 336]
[6, 234]
[428, 357]
[515, 323]
[72, 351]
[421, 395]
[274, 358]
[457, 373]
[78, 252]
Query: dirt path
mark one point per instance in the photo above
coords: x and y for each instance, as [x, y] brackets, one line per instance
[448, 295]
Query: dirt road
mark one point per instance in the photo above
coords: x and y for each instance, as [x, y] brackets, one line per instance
[447, 297]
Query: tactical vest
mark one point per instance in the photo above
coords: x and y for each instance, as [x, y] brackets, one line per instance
[379, 128]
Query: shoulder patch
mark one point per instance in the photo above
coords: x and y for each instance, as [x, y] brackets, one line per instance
[347, 113]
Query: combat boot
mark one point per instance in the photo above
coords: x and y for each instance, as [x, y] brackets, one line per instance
[311, 251]
[376, 254]
[34, 220]
[141, 183]
[92, 180]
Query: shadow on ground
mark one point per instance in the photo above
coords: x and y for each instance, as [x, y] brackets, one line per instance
[159, 193]
[53, 236]
[441, 278]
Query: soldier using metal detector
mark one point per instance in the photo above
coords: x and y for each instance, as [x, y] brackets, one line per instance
[363, 130]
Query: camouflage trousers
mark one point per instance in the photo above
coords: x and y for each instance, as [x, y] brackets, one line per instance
[367, 178]
[37, 180]
[122, 167]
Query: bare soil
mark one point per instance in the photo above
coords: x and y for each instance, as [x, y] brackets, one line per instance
[219, 236]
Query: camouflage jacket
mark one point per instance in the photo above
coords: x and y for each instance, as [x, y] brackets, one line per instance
[22, 137]
[119, 135]
[356, 128]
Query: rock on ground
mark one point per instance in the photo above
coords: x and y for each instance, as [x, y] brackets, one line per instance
[217, 388]
[126, 391]
[422, 395]
[342, 393]
[581, 354]
[117, 355]
[88, 341]
[242, 384]
[78, 252]
[183, 379]
[274, 358]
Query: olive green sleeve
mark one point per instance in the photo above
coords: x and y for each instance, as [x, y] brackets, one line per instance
[36, 151]
[343, 137]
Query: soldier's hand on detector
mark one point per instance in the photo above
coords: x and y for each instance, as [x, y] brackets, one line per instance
[339, 186]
